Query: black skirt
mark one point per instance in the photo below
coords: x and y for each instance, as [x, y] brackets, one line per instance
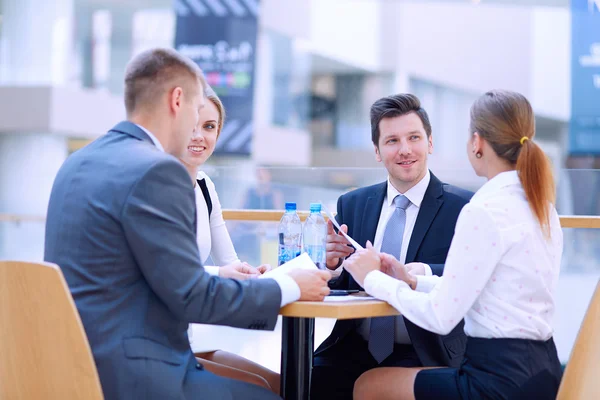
[496, 369]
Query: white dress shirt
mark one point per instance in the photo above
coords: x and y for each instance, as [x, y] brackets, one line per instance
[500, 274]
[212, 235]
[290, 291]
[415, 195]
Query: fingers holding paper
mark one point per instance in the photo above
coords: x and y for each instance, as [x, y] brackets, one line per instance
[337, 245]
[362, 262]
[312, 283]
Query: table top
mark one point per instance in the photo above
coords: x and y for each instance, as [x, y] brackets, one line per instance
[339, 310]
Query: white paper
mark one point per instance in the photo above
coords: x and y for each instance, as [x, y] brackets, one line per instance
[344, 299]
[303, 261]
[332, 218]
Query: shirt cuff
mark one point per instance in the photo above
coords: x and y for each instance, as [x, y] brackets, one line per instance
[211, 269]
[383, 286]
[428, 271]
[336, 272]
[290, 291]
[426, 283]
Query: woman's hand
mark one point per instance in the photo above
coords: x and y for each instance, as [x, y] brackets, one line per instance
[264, 268]
[362, 262]
[395, 269]
[239, 270]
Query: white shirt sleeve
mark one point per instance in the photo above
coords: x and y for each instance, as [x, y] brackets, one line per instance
[428, 271]
[427, 283]
[290, 291]
[474, 253]
[222, 251]
[212, 270]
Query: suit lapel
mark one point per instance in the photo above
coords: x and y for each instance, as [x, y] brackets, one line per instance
[432, 201]
[371, 214]
[370, 219]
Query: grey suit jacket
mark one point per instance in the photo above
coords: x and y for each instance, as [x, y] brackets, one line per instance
[121, 225]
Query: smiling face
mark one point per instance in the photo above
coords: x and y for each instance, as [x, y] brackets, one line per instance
[403, 148]
[203, 141]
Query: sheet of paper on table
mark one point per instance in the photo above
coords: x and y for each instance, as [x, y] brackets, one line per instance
[346, 299]
[303, 261]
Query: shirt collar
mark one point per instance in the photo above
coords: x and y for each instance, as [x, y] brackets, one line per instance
[153, 138]
[415, 194]
[501, 180]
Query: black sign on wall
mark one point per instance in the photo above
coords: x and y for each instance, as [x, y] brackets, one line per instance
[220, 36]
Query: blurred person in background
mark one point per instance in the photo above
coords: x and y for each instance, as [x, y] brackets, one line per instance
[500, 276]
[214, 240]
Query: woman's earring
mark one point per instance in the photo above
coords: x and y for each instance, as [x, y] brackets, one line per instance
[478, 154]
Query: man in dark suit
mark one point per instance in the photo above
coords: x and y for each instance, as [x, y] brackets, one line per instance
[411, 216]
[121, 225]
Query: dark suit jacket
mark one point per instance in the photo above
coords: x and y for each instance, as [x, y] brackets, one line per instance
[121, 225]
[429, 243]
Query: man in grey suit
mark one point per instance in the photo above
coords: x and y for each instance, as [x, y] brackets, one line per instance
[121, 225]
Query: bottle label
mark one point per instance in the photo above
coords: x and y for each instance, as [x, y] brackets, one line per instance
[287, 253]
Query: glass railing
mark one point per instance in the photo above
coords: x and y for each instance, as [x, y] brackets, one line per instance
[22, 238]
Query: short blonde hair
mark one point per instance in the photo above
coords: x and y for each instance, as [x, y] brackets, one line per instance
[212, 96]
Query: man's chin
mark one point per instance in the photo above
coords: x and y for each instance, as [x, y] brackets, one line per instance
[407, 176]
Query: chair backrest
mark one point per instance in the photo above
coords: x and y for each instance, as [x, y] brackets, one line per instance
[581, 379]
[44, 351]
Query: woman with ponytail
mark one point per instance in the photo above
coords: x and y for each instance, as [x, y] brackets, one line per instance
[500, 275]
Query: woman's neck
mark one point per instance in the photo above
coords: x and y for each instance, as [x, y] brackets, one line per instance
[192, 171]
[498, 167]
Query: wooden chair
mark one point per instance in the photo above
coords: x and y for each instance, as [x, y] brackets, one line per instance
[44, 352]
[581, 379]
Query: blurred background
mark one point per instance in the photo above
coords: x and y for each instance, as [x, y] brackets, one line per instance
[297, 78]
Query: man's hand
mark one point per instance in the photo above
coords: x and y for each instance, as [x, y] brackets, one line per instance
[238, 270]
[362, 262]
[313, 284]
[337, 246]
[395, 269]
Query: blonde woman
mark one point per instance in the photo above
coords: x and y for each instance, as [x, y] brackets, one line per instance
[214, 240]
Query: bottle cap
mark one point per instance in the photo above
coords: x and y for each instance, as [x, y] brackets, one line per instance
[315, 207]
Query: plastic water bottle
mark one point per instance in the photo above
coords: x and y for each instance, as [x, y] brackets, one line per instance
[290, 234]
[315, 236]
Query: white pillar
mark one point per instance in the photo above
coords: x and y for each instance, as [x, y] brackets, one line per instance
[37, 42]
[36, 49]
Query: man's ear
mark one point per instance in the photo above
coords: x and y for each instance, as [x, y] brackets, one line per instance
[430, 143]
[377, 155]
[176, 99]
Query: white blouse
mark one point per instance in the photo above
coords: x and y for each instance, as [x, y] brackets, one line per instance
[211, 234]
[500, 275]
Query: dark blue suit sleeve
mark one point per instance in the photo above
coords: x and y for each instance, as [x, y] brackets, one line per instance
[342, 281]
[437, 269]
[158, 219]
